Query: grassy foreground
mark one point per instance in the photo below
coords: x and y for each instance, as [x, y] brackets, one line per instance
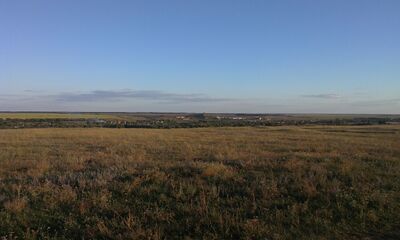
[210, 183]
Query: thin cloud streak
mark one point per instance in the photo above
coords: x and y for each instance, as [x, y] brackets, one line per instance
[149, 95]
[323, 96]
[154, 100]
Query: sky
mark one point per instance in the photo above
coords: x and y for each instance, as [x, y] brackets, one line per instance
[253, 56]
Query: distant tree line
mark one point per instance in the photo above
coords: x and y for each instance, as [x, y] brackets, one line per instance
[193, 123]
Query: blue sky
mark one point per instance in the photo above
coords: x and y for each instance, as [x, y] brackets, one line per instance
[299, 56]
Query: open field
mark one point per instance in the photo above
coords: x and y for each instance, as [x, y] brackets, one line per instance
[310, 182]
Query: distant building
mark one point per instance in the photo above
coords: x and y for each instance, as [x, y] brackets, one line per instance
[96, 120]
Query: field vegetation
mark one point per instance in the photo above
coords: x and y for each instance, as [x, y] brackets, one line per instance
[310, 182]
[18, 120]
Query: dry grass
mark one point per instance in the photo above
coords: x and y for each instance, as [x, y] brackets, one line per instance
[210, 183]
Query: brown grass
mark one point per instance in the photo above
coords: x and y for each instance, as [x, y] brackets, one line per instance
[210, 183]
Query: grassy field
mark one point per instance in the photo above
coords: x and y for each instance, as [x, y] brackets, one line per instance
[211, 183]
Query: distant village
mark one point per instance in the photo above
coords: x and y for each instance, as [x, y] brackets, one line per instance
[177, 120]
